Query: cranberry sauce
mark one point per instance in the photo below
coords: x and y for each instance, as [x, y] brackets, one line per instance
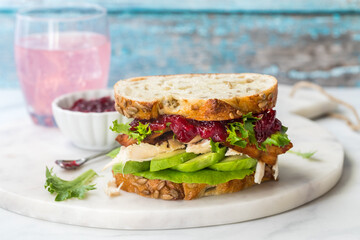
[104, 104]
[186, 129]
[266, 125]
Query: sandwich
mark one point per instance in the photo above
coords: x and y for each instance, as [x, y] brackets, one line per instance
[196, 135]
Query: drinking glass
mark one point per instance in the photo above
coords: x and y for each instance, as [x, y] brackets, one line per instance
[60, 49]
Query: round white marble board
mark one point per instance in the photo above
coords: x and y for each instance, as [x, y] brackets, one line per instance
[26, 149]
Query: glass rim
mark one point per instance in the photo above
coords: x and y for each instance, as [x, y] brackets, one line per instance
[22, 13]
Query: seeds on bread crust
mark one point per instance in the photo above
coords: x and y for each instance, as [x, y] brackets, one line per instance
[167, 197]
[247, 93]
[186, 191]
[161, 185]
[146, 192]
[141, 181]
[139, 105]
[119, 109]
[262, 104]
[156, 194]
[174, 193]
[132, 110]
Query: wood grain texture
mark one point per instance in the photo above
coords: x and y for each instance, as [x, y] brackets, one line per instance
[204, 5]
[322, 48]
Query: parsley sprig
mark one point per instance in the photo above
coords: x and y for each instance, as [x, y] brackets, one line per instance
[76, 188]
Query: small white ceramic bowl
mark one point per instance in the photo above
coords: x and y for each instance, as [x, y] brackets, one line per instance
[86, 130]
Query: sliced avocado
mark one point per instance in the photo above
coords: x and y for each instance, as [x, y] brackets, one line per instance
[234, 163]
[207, 176]
[200, 162]
[131, 167]
[170, 159]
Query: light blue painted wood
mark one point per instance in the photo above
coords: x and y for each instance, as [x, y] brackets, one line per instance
[148, 40]
[205, 5]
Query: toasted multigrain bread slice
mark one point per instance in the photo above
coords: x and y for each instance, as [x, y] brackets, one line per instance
[203, 97]
[167, 190]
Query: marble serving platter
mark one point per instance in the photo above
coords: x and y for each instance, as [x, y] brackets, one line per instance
[305, 102]
[26, 149]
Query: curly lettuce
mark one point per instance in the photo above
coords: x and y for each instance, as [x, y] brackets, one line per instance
[140, 133]
[241, 133]
[279, 139]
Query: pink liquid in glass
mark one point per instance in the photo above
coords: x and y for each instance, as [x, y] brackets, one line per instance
[51, 66]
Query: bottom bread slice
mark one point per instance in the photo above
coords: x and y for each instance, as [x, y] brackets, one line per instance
[167, 190]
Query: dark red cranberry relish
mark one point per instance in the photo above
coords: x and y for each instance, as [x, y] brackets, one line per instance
[266, 125]
[104, 104]
[186, 129]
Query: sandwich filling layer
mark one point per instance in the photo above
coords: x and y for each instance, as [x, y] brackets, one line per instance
[182, 150]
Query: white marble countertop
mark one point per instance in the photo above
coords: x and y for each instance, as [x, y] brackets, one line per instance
[332, 216]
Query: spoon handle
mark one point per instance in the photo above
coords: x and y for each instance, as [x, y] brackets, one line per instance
[85, 159]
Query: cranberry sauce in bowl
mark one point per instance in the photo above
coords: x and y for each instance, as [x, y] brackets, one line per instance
[186, 129]
[85, 117]
[104, 104]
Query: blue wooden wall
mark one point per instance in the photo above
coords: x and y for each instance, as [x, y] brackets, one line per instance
[317, 41]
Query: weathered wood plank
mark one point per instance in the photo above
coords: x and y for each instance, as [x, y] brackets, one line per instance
[325, 49]
[204, 5]
[319, 48]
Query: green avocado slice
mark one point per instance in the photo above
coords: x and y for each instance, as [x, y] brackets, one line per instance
[131, 167]
[170, 159]
[207, 176]
[200, 162]
[234, 163]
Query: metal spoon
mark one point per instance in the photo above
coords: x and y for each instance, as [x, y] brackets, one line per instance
[74, 164]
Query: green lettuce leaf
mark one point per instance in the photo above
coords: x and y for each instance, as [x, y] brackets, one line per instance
[279, 139]
[123, 128]
[215, 147]
[207, 176]
[233, 137]
[241, 133]
[113, 153]
[69, 189]
[140, 132]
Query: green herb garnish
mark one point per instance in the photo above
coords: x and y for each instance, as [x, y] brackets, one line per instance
[69, 189]
[306, 155]
[242, 133]
[140, 133]
[215, 147]
[245, 130]
[279, 139]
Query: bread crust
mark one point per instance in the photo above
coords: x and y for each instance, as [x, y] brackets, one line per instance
[167, 190]
[198, 109]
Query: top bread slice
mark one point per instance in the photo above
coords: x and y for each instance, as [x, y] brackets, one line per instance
[203, 97]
